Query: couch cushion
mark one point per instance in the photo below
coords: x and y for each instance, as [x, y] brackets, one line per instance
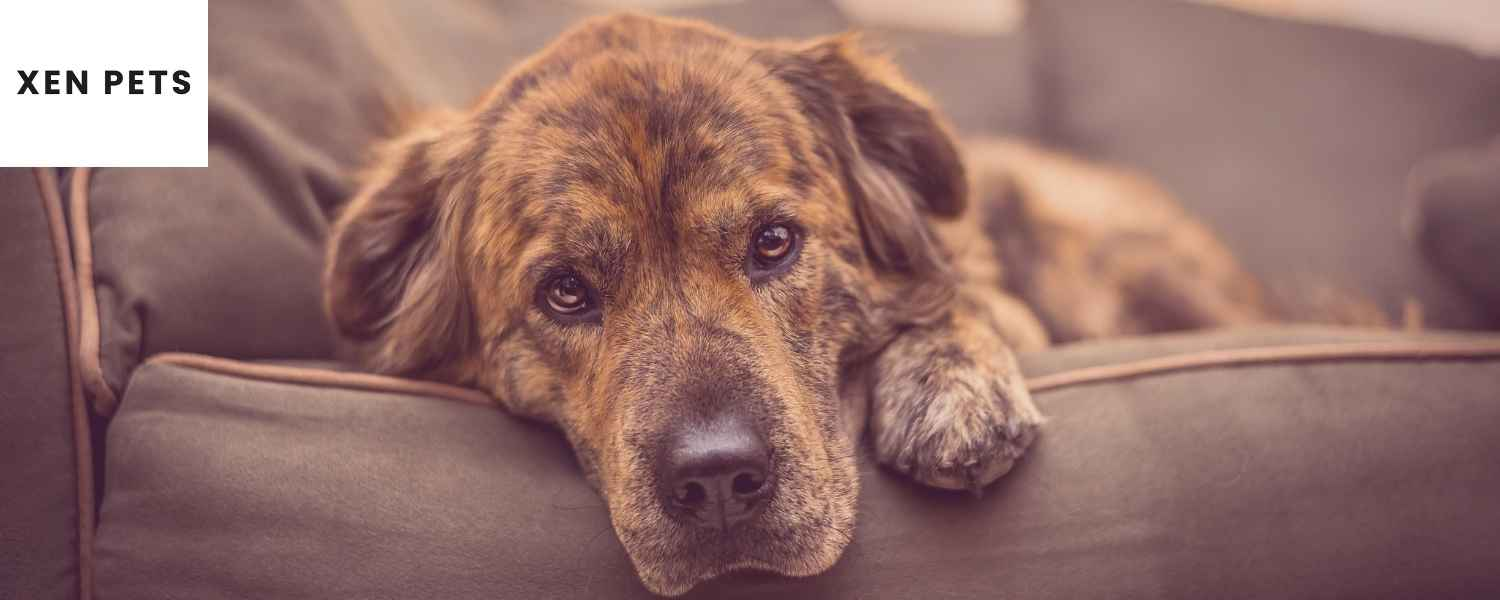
[1362, 478]
[39, 474]
[1293, 140]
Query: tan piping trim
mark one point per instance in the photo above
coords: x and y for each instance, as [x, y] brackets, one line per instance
[83, 451]
[1404, 350]
[323, 377]
[88, 333]
[1399, 350]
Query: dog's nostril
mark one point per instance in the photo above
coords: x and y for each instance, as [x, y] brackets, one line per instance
[690, 494]
[747, 483]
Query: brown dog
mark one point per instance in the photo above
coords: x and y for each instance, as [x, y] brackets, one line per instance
[711, 261]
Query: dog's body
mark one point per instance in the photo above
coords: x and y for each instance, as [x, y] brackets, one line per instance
[711, 261]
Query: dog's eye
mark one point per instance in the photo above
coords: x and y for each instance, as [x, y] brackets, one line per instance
[566, 296]
[773, 243]
[772, 247]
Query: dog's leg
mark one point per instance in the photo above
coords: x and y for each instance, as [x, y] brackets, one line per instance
[949, 406]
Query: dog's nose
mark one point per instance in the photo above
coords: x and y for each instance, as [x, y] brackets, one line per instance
[717, 475]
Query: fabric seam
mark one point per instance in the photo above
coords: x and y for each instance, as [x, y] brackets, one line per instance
[322, 377]
[1295, 353]
[89, 363]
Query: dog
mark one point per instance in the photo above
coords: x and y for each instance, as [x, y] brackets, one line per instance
[716, 263]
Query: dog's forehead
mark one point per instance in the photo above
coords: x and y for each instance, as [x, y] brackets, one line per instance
[641, 144]
[646, 126]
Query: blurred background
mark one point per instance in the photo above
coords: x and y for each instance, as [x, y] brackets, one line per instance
[1471, 23]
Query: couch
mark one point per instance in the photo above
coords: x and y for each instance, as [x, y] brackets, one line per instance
[174, 424]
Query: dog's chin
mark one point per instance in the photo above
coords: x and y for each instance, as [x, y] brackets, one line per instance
[671, 557]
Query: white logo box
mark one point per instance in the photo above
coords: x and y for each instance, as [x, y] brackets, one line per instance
[98, 44]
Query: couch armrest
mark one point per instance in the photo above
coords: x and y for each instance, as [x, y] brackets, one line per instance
[46, 476]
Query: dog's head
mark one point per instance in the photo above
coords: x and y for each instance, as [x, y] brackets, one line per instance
[669, 241]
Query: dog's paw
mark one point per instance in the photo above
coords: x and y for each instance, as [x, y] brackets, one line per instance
[949, 419]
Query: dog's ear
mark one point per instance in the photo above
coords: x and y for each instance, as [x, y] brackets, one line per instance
[901, 164]
[392, 282]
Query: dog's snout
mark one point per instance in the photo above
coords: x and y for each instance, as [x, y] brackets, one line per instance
[717, 475]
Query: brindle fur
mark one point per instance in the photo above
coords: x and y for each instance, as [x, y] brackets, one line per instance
[641, 153]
